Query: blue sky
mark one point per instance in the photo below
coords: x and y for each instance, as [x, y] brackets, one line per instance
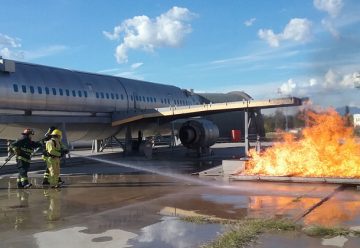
[265, 48]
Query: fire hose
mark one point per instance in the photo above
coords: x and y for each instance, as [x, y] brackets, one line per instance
[7, 160]
[13, 154]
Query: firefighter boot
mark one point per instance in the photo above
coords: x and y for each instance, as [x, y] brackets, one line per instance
[45, 182]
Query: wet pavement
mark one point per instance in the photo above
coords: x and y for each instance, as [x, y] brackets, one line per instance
[105, 205]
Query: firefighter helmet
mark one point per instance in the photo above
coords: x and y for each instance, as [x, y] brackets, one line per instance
[56, 132]
[28, 131]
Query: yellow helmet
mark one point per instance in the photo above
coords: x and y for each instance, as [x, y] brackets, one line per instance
[56, 132]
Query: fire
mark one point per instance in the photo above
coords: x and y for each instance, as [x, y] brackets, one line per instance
[327, 148]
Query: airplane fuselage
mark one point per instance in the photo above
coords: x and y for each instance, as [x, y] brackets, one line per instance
[43, 88]
[35, 89]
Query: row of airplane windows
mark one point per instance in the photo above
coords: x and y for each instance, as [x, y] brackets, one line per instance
[102, 95]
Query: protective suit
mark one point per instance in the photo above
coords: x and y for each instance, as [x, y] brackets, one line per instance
[54, 152]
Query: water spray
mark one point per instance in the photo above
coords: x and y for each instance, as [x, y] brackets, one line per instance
[151, 170]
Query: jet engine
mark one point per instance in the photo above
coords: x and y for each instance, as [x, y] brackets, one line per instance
[199, 133]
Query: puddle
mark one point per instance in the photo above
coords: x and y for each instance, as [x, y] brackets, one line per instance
[144, 208]
[300, 240]
[74, 238]
[171, 232]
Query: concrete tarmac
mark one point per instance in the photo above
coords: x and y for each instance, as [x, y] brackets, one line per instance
[109, 205]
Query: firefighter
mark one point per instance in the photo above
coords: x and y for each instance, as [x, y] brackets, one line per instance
[47, 173]
[23, 149]
[54, 151]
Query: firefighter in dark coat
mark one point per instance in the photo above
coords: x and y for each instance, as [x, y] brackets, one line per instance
[23, 149]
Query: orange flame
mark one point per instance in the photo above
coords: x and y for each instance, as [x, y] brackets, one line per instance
[327, 149]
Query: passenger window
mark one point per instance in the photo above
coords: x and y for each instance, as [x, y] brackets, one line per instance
[39, 90]
[131, 97]
[147, 99]
[102, 95]
[154, 99]
[122, 97]
[117, 96]
[151, 99]
[112, 95]
[85, 93]
[67, 92]
[137, 98]
[32, 90]
[16, 88]
[47, 91]
[54, 91]
[97, 94]
[74, 93]
[61, 92]
[107, 95]
[23, 87]
[79, 93]
[143, 98]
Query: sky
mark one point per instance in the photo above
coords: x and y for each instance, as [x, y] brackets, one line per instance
[269, 49]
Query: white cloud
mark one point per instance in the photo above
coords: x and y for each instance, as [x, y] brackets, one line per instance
[7, 41]
[335, 88]
[141, 32]
[10, 49]
[288, 87]
[5, 52]
[270, 37]
[298, 29]
[44, 52]
[136, 65]
[332, 7]
[129, 74]
[250, 22]
[329, 26]
[331, 81]
[8, 46]
[312, 82]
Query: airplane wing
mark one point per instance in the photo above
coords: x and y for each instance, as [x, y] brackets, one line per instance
[176, 112]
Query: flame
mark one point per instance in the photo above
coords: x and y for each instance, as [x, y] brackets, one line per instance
[328, 148]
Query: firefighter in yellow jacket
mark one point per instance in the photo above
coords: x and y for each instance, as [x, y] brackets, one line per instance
[54, 151]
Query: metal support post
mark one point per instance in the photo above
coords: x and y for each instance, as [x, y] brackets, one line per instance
[64, 137]
[246, 119]
[173, 142]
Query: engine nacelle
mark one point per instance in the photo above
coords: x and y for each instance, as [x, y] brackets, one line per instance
[198, 133]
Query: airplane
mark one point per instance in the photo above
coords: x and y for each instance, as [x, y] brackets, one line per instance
[90, 106]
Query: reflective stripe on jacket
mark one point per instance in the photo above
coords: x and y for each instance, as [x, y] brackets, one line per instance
[24, 147]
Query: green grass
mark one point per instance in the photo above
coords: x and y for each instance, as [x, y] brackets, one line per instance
[245, 231]
[242, 232]
[321, 231]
